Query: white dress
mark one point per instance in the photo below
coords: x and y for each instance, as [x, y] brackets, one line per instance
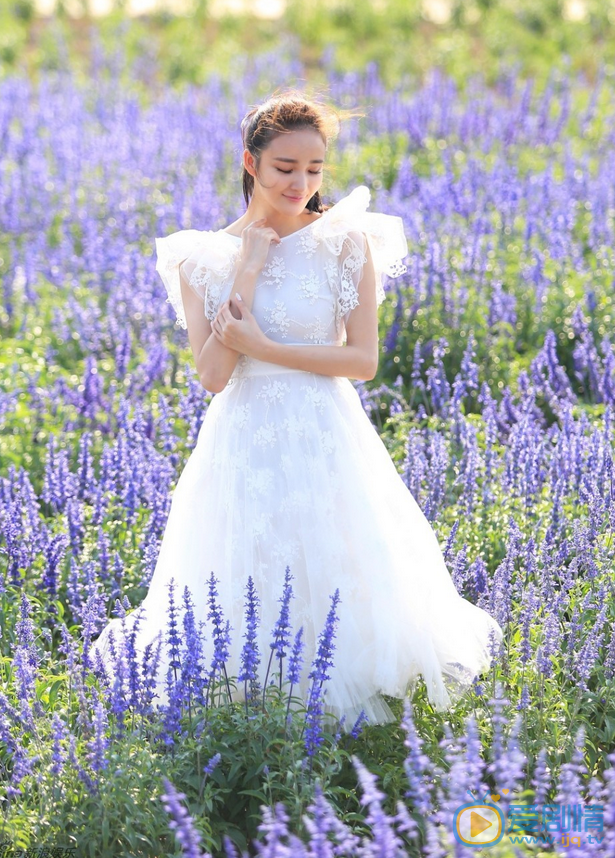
[288, 470]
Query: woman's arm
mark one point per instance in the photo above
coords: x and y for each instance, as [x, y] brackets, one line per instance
[357, 359]
[214, 361]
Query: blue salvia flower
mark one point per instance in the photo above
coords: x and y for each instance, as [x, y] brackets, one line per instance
[183, 824]
[23, 765]
[149, 672]
[322, 824]
[193, 678]
[457, 778]
[281, 630]
[221, 637]
[385, 840]
[173, 638]
[98, 744]
[295, 664]
[438, 468]
[569, 788]
[314, 738]
[211, 765]
[528, 613]
[437, 383]
[274, 827]
[450, 541]
[250, 656]
[541, 778]
[550, 643]
[417, 765]
[499, 719]
[81, 772]
[171, 722]
[474, 758]
[323, 661]
[357, 727]
[54, 551]
[512, 764]
[586, 658]
[132, 660]
[417, 361]
[58, 756]
[525, 699]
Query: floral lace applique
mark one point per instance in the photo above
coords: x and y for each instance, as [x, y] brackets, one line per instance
[265, 435]
[278, 318]
[287, 463]
[294, 426]
[308, 243]
[326, 442]
[296, 499]
[309, 285]
[261, 524]
[274, 392]
[315, 397]
[287, 550]
[275, 271]
[259, 481]
[241, 415]
[318, 332]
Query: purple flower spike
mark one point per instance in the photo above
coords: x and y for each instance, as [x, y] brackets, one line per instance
[250, 656]
[185, 832]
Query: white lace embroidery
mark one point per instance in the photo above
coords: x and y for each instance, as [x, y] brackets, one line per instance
[278, 318]
[259, 482]
[314, 396]
[308, 286]
[265, 436]
[275, 271]
[307, 243]
[275, 391]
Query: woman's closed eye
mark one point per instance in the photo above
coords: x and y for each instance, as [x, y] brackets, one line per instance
[313, 172]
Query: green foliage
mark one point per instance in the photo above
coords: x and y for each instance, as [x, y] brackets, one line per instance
[400, 35]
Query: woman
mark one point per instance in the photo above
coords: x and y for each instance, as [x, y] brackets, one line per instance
[281, 311]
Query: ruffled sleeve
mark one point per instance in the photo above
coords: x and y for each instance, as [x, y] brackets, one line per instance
[207, 259]
[345, 228]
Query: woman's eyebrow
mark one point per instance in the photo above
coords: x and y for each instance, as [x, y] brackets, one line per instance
[294, 161]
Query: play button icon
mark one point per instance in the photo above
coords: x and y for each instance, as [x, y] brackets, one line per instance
[478, 824]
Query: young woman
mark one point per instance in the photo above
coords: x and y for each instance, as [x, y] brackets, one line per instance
[281, 311]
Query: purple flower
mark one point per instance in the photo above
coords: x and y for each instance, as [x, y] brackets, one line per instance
[185, 832]
[295, 662]
[250, 656]
[281, 631]
[221, 637]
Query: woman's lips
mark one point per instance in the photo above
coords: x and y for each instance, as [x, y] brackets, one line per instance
[295, 199]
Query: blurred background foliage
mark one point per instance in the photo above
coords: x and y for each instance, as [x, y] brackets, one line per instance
[191, 39]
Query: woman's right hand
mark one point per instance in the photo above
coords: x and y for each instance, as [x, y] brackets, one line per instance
[256, 240]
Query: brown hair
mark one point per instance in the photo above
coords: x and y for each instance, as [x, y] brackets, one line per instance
[280, 114]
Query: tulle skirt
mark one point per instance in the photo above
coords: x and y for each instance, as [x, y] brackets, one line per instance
[288, 471]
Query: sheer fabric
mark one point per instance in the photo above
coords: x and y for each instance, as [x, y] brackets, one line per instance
[288, 470]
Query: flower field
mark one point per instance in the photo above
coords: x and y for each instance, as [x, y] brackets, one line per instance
[495, 397]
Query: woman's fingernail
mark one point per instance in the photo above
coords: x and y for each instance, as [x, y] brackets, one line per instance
[238, 296]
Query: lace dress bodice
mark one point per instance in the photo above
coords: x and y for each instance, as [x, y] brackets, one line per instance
[308, 286]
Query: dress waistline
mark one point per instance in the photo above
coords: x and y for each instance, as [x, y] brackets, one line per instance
[247, 367]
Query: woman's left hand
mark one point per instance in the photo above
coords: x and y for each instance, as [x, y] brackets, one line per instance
[243, 335]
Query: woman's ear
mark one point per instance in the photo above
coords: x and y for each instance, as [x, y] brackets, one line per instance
[249, 162]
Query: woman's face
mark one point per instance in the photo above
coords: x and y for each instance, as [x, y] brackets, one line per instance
[290, 170]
